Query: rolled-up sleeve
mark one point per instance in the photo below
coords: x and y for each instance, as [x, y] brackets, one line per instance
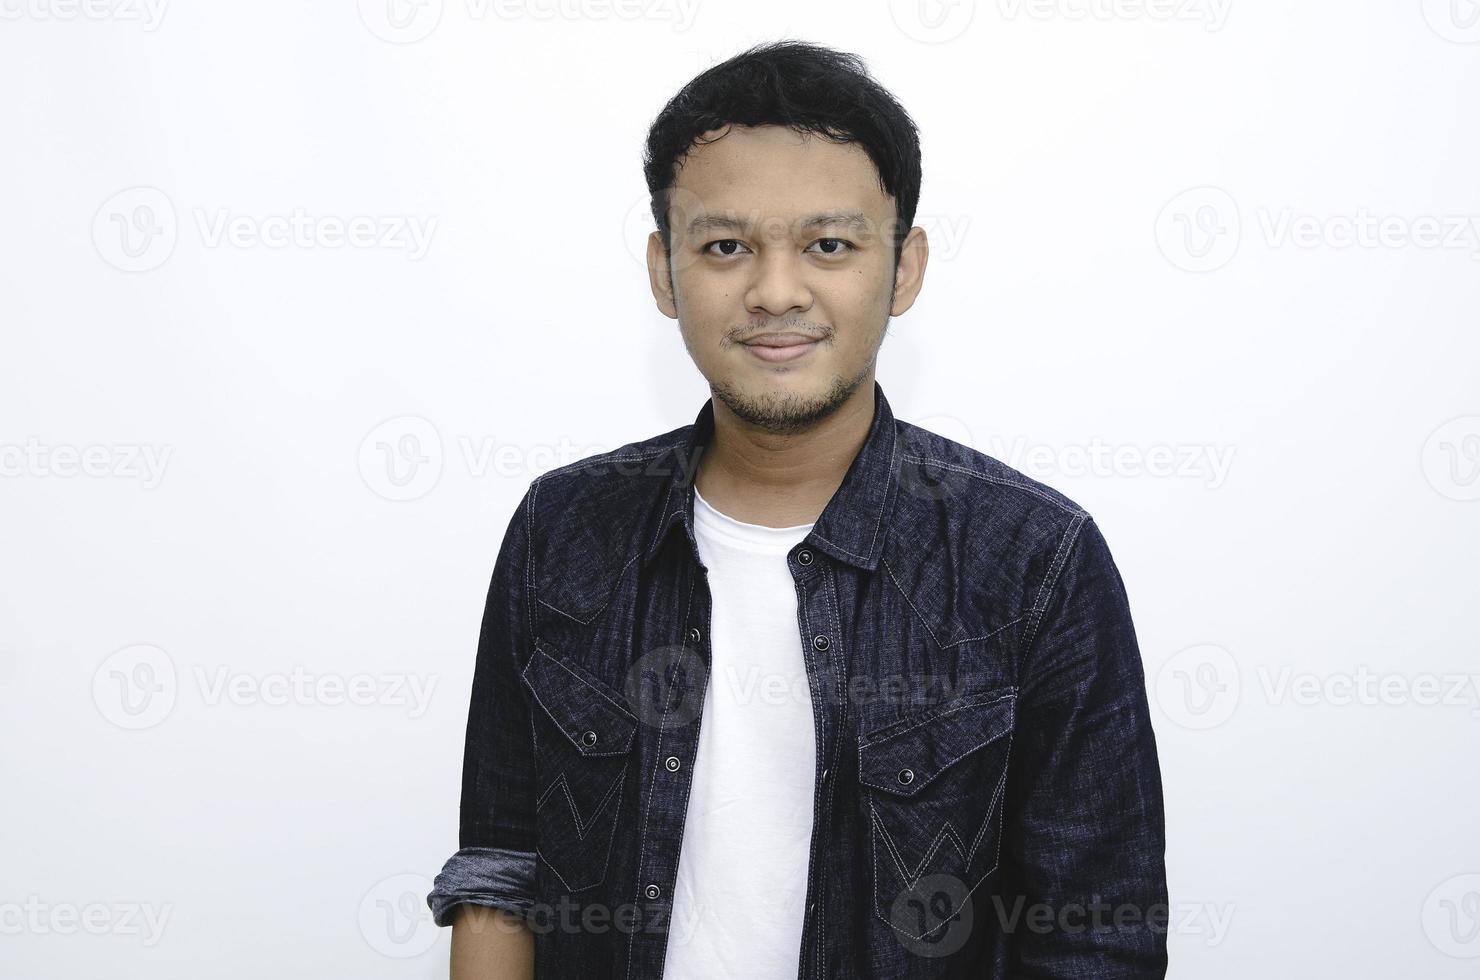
[483, 876]
[1084, 836]
[495, 861]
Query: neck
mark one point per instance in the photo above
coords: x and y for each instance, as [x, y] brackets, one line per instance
[781, 480]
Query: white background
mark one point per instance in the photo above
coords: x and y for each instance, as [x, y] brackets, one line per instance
[1239, 231]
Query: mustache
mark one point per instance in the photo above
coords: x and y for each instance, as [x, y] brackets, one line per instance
[816, 331]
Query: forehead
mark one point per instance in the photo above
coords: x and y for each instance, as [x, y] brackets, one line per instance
[771, 172]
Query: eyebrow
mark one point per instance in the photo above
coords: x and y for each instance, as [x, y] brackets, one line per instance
[717, 222]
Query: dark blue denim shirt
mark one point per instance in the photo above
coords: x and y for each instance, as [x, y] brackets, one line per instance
[987, 796]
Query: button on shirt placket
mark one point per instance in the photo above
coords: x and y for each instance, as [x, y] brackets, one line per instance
[662, 830]
[818, 622]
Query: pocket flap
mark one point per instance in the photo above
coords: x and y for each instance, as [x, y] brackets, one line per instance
[904, 756]
[588, 712]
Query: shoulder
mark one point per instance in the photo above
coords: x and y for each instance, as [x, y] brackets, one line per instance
[972, 486]
[587, 520]
[989, 540]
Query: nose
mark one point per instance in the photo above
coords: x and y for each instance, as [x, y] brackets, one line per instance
[779, 285]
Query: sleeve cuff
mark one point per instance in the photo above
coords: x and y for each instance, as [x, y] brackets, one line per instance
[483, 876]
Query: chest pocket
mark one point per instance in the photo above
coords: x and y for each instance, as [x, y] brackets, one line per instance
[933, 785]
[583, 742]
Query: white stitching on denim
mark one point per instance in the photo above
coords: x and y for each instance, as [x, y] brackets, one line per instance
[480, 782]
[583, 824]
[842, 668]
[1000, 481]
[607, 697]
[610, 595]
[806, 624]
[968, 701]
[1006, 772]
[606, 862]
[923, 621]
[627, 733]
[603, 459]
[879, 518]
[911, 876]
[926, 623]
[923, 781]
[834, 544]
[683, 808]
[1050, 581]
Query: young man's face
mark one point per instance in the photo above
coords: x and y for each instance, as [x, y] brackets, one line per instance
[783, 274]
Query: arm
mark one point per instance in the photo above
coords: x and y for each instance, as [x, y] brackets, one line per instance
[486, 889]
[1084, 834]
[490, 944]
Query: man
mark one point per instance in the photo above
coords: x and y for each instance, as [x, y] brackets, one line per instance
[801, 689]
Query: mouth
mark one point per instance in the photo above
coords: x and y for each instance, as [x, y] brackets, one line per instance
[779, 347]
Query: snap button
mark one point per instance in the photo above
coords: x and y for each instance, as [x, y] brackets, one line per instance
[652, 891]
[694, 634]
[820, 641]
[588, 738]
[906, 775]
[824, 775]
[672, 763]
[804, 557]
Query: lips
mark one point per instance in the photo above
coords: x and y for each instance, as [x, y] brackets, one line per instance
[781, 340]
[776, 347]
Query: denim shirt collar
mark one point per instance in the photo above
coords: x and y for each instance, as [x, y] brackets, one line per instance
[852, 526]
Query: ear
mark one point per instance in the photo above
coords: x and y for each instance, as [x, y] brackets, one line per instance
[658, 277]
[909, 276]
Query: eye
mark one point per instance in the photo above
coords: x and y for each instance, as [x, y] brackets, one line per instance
[733, 244]
[839, 246]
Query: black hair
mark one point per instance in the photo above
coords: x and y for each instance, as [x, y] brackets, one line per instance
[806, 87]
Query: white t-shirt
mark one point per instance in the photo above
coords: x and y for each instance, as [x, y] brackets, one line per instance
[738, 903]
